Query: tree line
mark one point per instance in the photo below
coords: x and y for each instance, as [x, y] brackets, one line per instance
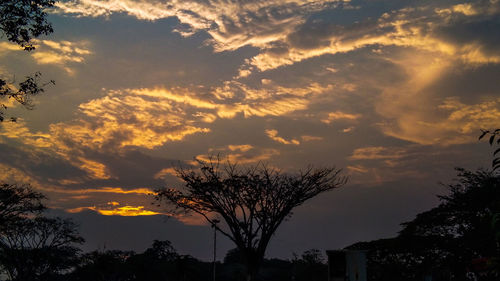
[37, 247]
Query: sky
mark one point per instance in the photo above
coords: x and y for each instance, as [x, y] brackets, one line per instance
[394, 92]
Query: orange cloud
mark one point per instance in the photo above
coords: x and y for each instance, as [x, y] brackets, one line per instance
[62, 53]
[377, 152]
[125, 211]
[411, 112]
[311, 138]
[244, 155]
[95, 169]
[241, 147]
[114, 209]
[404, 28]
[273, 134]
[164, 172]
[338, 115]
[228, 23]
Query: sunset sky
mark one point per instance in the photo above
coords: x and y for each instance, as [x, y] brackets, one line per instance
[392, 91]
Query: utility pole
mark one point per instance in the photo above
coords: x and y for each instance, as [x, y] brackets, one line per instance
[214, 225]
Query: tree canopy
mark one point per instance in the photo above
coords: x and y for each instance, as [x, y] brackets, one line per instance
[21, 21]
[18, 202]
[252, 201]
[32, 246]
[447, 239]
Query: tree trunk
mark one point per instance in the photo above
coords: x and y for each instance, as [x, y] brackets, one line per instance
[252, 261]
[252, 273]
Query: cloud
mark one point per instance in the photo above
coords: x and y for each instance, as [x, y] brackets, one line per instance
[419, 28]
[240, 147]
[412, 110]
[100, 140]
[165, 172]
[270, 100]
[95, 169]
[135, 117]
[241, 154]
[7, 46]
[339, 115]
[290, 31]
[377, 152]
[273, 134]
[381, 164]
[231, 24]
[63, 54]
[114, 210]
[460, 125]
[311, 138]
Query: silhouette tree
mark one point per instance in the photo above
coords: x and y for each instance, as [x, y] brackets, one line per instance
[39, 248]
[20, 22]
[159, 262]
[448, 237]
[18, 202]
[310, 266]
[33, 247]
[494, 140]
[252, 201]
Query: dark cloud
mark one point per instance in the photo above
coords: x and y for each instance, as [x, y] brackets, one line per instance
[481, 30]
[43, 167]
[470, 84]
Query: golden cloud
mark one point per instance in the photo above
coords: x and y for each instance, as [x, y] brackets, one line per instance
[241, 147]
[95, 169]
[411, 112]
[164, 172]
[241, 154]
[357, 169]
[413, 28]
[377, 153]
[113, 210]
[149, 118]
[231, 25]
[7, 46]
[62, 53]
[311, 138]
[273, 134]
[339, 115]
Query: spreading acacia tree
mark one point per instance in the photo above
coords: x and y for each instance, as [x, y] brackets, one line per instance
[21, 21]
[252, 201]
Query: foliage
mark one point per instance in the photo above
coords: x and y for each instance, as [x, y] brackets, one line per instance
[33, 247]
[39, 248]
[446, 239]
[23, 20]
[20, 22]
[310, 266]
[159, 262]
[252, 201]
[494, 140]
[18, 202]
